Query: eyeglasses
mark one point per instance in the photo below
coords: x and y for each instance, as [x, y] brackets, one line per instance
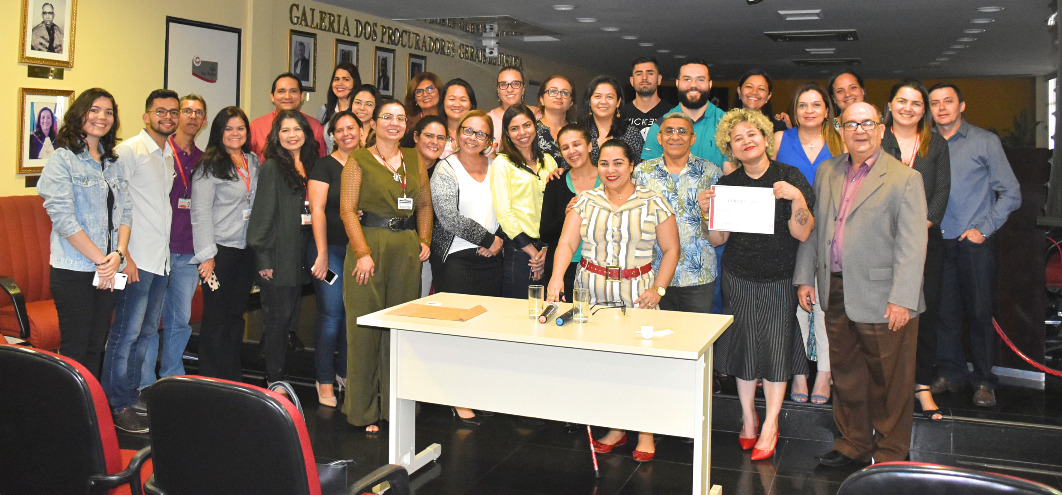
[188, 111]
[867, 125]
[423, 91]
[511, 84]
[47, 12]
[388, 116]
[559, 93]
[469, 132]
[162, 112]
[671, 131]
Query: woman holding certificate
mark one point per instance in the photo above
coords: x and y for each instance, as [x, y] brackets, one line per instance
[618, 225]
[757, 276]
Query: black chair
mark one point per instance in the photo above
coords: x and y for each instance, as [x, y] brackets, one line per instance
[56, 431]
[934, 479]
[211, 436]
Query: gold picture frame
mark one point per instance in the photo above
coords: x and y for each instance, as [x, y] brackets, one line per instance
[40, 45]
[35, 147]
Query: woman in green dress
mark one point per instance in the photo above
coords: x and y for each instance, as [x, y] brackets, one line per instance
[389, 240]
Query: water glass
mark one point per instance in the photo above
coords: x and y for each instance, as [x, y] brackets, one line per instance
[535, 301]
[581, 302]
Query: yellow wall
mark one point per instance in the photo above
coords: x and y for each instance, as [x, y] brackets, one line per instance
[120, 46]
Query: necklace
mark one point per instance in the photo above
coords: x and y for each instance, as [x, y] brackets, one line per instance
[387, 163]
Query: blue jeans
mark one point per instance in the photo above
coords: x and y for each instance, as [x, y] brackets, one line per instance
[136, 319]
[330, 354]
[176, 313]
[966, 290]
[516, 273]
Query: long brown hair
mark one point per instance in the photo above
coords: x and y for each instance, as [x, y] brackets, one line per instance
[833, 138]
[925, 125]
[72, 133]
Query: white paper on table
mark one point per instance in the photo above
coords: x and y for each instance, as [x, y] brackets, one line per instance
[742, 209]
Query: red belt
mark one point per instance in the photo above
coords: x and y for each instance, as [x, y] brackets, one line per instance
[614, 272]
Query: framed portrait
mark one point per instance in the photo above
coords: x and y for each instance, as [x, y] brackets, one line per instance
[48, 32]
[41, 113]
[302, 58]
[346, 51]
[417, 64]
[204, 59]
[384, 69]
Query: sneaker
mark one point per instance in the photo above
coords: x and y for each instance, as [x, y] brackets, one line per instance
[129, 421]
[984, 397]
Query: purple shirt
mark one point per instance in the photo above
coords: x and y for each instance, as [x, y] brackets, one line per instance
[853, 181]
[181, 225]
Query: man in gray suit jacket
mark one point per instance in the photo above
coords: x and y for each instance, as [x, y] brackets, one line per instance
[869, 244]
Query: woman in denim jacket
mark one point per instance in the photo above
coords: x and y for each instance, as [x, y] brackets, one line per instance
[88, 200]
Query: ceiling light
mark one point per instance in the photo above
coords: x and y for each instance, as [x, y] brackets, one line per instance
[610, 29]
[942, 59]
[629, 37]
[966, 40]
[801, 15]
[958, 47]
[539, 37]
[1051, 20]
[898, 71]
[563, 7]
[662, 50]
[821, 51]
[989, 9]
[645, 44]
[973, 31]
[950, 52]
[982, 21]
[586, 19]
[679, 56]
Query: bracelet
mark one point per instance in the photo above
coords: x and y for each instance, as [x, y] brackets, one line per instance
[121, 257]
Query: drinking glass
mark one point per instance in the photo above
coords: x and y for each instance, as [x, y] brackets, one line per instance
[535, 300]
[581, 302]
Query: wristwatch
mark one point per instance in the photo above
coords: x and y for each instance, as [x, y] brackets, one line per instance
[660, 290]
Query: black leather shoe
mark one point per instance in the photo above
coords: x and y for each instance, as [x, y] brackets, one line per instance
[941, 385]
[473, 421]
[834, 458]
[984, 397]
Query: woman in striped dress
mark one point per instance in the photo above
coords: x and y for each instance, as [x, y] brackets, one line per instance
[757, 276]
[618, 225]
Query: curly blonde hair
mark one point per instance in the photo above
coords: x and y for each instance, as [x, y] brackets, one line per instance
[733, 118]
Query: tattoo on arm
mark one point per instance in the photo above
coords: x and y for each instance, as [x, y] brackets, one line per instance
[802, 216]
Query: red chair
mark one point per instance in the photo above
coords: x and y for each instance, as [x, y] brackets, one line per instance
[917, 477]
[29, 311]
[56, 432]
[211, 436]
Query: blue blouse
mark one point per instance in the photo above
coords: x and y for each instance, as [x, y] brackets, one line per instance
[791, 152]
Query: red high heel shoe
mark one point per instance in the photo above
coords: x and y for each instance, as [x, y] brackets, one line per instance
[604, 448]
[759, 455]
[748, 443]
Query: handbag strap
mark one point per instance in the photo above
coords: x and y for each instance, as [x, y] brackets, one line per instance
[283, 386]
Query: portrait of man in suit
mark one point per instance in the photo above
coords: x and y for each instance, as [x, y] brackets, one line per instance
[300, 65]
[867, 252]
[47, 36]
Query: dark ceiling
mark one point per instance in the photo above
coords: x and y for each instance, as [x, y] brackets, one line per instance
[896, 38]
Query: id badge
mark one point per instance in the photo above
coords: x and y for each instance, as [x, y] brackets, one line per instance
[246, 214]
[306, 219]
[184, 203]
[405, 203]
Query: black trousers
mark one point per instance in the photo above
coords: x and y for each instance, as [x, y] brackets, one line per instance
[466, 272]
[926, 355]
[84, 316]
[280, 307]
[222, 328]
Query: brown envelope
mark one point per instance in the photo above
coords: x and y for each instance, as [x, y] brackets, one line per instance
[438, 312]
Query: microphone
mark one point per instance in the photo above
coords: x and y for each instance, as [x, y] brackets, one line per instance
[566, 317]
[546, 313]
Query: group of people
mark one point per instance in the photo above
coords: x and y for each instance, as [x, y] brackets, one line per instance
[377, 202]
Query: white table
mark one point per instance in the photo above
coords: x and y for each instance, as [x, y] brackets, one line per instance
[502, 361]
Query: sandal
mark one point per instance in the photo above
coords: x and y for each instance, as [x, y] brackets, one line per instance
[931, 414]
[819, 399]
[798, 397]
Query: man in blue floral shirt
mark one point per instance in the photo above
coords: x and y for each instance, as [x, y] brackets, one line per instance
[679, 177]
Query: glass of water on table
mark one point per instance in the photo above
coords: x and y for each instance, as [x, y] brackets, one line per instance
[536, 301]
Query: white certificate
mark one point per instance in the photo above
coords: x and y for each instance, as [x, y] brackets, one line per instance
[742, 209]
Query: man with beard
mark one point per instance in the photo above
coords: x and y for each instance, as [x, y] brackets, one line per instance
[147, 164]
[647, 106]
[693, 84]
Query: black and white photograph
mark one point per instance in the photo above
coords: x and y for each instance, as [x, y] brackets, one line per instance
[41, 114]
[346, 51]
[417, 64]
[302, 58]
[48, 32]
[385, 71]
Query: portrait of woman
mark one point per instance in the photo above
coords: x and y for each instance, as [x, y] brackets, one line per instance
[42, 141]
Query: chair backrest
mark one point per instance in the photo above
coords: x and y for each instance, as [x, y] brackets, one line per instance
[55, 425]
[24, 245]
[215, 436]
[917, 477]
